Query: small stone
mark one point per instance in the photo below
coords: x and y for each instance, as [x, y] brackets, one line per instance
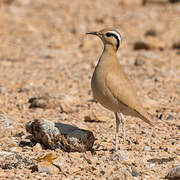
[170, 117]
[37, 147]
[139, 45]
[140, 60]
[122, 174]
[15, 149]
[7, 1]
[44, 102]
[134, 173]
[60, 163]
[152, 165]
[150, 32]
[94, 117]
[22, 90]
[144, 2]
[102, 172]
[46, 167]
[147, 148]
[174, 173]
[8, 126]
[68, 103]
[150, 43]
[174, 1]
[21, 134]
[176, 45]
[14, 160]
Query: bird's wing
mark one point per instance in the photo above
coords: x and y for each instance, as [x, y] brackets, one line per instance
[121, 88]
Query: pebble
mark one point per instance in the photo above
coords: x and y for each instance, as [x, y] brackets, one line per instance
[122, 174]
[152, 165]
[134, 172]
[8, 126]
[140, 60]
[139, 45]
[174, 173]
[44, 102]
[46, 167]
[170, 117]
[37, 148]
[5, 153]
[176, 45]
[150, 32]
[147, 148]
[174, 1]
[150, 43]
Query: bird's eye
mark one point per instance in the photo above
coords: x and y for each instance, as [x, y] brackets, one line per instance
[108, 34]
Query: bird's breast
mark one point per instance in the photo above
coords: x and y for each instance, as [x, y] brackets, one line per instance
[101, 92]
[98, 83]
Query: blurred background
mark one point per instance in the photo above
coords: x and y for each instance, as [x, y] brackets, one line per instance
[44, 53]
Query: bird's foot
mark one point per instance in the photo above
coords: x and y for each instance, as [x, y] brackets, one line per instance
[116, 156]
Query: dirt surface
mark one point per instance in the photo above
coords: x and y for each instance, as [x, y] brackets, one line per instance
[44, 52]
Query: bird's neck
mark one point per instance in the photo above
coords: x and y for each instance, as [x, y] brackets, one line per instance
[109, 48]
[108, 56]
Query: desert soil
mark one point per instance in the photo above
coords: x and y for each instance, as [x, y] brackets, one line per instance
[44, 52]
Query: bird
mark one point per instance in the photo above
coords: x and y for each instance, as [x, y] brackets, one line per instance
[111, 86]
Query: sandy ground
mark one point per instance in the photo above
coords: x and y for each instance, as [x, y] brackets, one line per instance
[44, 52]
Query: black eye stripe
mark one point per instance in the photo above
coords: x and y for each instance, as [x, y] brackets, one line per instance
[115, 36]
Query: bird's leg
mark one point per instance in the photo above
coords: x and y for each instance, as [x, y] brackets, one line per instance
[117, 131]
[123, 120]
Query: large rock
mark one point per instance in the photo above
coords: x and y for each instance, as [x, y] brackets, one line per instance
[57, 135]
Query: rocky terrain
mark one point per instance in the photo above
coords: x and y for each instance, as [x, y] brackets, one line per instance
[46, 64]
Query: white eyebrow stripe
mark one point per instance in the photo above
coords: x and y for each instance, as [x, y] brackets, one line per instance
[116, 33]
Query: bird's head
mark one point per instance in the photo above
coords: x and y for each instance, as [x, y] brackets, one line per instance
[109, 36]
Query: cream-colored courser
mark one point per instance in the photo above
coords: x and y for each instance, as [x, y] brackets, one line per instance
[111, 87]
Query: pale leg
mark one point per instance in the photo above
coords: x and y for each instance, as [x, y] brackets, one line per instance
[117, 131]
[123, 120]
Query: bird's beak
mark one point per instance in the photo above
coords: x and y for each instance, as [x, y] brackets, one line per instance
[93, 33]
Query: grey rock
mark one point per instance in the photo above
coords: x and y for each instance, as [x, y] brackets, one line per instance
[44, 102]
[174, 173]
[176, 45]
[174, 1]
[170, 117]
[152, 165]
[134, 172]
[140, 44]
[170, 1]
[10, 160]
[147, 148]
[8, 126]
[144, 2]
[57, 135]
[150, 32]
[140, 60]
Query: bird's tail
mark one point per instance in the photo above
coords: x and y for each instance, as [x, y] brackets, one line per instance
[145, 117]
